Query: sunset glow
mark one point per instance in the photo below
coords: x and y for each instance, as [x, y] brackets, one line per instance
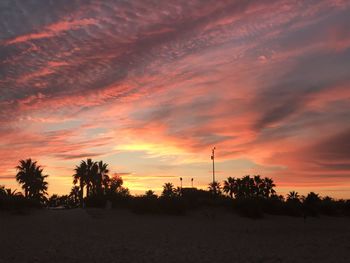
[149, 87]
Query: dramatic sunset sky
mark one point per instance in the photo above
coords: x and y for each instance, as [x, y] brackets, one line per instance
[151, 86]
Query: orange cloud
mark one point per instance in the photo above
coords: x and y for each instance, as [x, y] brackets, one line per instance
[152, 89]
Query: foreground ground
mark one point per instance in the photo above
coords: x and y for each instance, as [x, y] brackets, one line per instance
[205, 236]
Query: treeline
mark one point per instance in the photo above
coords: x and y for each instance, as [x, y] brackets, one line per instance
[251, 196]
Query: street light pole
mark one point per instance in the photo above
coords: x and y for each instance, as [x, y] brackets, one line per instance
[213, 158]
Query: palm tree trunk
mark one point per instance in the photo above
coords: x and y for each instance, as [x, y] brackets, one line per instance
[87, 190]
[81, 193]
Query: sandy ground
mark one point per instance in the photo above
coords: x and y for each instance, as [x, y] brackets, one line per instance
[205, 236]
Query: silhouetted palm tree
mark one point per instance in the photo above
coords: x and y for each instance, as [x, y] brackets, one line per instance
[178, 191]
[87, 175]
[30, 176]
[311, 204]
[26, 174]
[249, 187]
[215, 188]
[258, 186]
[91, 176]
[230, 186]
[268, 187]
[168, 190]
[103, 178]
[293, 196]
[7, 192]
[2, 190]
[312, 198]
[81, 177]
[150, 194]
[11, 193]
[74, 195]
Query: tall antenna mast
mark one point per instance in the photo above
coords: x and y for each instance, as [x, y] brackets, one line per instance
[213, 158]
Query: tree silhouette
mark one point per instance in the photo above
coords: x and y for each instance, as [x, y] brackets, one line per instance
[230, 186]
[81, 177]
[30, 177]
[103, 178]
[150, 194]
[91, 176]
[115, 186]
[2, 190]
[115, 183]
[178, 191]
[7, 192]
[311, 204]
[268, 187]
[13, 193]
[293, 196]
[215, 188]
[74, 195]
[249, 187]
[245, 187]
[168, 190]
[312, 198]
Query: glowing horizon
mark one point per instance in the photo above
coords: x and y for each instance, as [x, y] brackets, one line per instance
[150, 88]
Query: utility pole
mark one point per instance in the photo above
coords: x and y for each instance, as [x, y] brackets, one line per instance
[192, 182]
[213, 158]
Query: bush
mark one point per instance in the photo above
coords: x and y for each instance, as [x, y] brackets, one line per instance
[346, 207]
[96, 201]
[173, 206]
[249, 207]
[162, 205]
[120, 200]
[272, 206]
[329, 207]
[293, 208]
[18, 202]
[311, 205]
[145, 205]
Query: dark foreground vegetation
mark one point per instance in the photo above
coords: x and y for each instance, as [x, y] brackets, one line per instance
[250, 196]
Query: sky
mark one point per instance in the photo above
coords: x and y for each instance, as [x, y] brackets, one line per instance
[150, 87]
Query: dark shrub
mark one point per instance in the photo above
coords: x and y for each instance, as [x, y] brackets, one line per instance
[195, 198]
[311, 205]
[97, 201]
[145, 205]
[249, 207]
[173, 206]
[273, 205]
[329, 207]
[293, 208]
[119, 200]
[18, 202]
[346, 207]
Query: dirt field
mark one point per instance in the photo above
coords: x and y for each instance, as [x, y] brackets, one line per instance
[204, 236]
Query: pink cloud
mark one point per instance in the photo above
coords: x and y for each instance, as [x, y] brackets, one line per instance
[258, 81]
[52, 30]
